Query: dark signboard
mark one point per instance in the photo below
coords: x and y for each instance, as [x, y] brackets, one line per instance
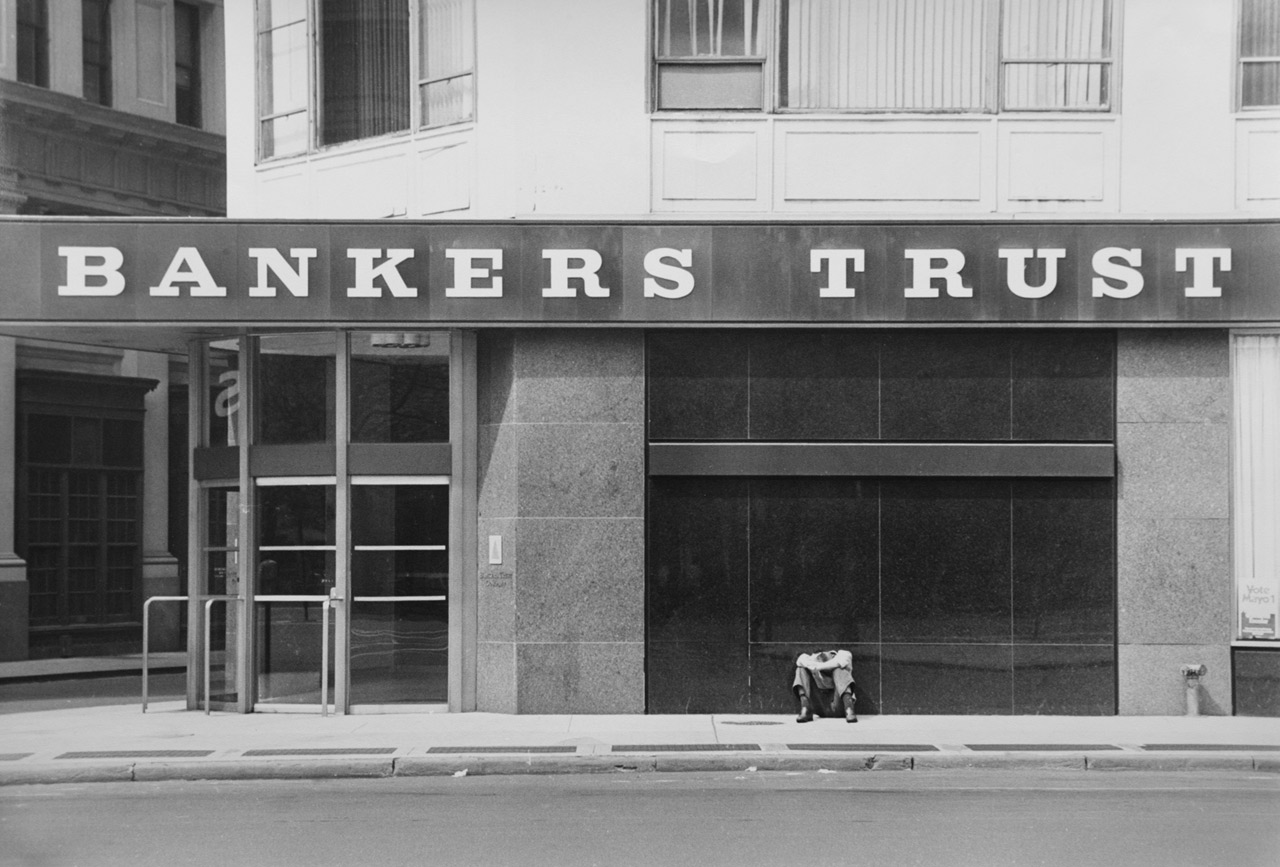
[1014, 271]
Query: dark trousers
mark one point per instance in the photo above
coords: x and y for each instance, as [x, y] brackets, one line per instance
[824, 702]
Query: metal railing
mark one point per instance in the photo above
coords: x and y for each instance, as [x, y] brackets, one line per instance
[146, 639]
[209, 602]
[326, 603]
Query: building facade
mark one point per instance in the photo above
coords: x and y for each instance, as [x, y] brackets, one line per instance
[604, 365]
[107, 107]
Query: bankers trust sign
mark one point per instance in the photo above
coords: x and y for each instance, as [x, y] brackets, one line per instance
[636, 273]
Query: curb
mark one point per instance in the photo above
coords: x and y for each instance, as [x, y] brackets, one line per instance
[479, 764]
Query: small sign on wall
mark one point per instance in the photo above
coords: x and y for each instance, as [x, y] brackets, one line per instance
[1259, 608]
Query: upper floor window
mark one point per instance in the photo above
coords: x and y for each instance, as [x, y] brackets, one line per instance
[186, 64]
[368, 57]
[885, 55]
[1259, 54]
[33, 42]
[95, 39]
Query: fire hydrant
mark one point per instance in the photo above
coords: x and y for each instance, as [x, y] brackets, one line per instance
[1191, 674]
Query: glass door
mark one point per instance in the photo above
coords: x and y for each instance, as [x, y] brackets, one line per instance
[399, 604]
[297, 554]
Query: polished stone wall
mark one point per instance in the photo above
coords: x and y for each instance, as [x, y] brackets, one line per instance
[954, 595]
[561, 481]
[1173, 415]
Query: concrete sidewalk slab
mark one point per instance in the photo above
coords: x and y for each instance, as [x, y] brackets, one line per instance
[116, 743]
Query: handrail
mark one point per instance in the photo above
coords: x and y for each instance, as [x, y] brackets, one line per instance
[208, 608]
[146, 639]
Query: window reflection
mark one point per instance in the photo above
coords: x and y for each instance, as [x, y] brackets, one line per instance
[222, 378]
[400, 387]
[296, 376]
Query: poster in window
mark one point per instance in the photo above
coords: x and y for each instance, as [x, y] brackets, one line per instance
[1259, 607]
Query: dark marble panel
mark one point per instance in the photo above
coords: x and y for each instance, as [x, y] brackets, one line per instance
[1064, 561]
[1064, 679]
[946, 678]
[697, 677]
[814, 385]
[773, 672]
[945, 560]
[697, 385]
[1257, 682]
[814, 548]
[945, 385]
[697, 561]
[1064, 385]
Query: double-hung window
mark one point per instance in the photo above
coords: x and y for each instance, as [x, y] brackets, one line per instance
[33, 42]
[186, 64]
[1259, 84]
[95, 39]
[336, 71]
[710, 54]
[886, 55]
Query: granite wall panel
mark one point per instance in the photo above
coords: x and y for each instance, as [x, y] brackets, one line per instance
[496, 677]
[561, 476]
[580, 580]
[580, 677]
[1173, 534]
[1151, 682]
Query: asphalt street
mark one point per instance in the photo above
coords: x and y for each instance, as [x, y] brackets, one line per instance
[926, 818]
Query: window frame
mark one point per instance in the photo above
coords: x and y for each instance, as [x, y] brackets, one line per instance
[102, 66]
[39, 45]
[773, 70]
[313, 108]
[194, 68]
[1241, 61]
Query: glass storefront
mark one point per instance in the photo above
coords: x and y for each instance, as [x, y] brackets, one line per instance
[324, 462]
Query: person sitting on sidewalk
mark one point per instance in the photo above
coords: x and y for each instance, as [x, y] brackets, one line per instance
[824, 685]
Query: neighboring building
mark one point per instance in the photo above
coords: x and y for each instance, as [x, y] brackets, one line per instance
[107, 108]
[599, 357]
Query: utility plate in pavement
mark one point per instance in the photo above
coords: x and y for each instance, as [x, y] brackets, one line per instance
[1041, 748]
[867, 748]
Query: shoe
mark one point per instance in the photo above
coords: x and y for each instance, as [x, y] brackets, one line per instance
[850, 716]
[806, 713]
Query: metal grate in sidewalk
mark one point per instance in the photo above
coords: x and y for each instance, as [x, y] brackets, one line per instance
[470, 750]
[325, 751]
[682, 748]
[1040, 748]
[867, 748]
[1215, 747]
[137, 754]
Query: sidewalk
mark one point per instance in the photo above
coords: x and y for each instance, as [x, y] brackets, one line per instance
[120, 743]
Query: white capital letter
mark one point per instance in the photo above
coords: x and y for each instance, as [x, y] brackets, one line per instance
[188, 267]
[465, 274]
[837, 270]
[1104, 267]
[562, 272]
[388, 271]
[657, 268]
[923, 273]
[1202, 269]
[295, 280]
[1016, 271]
[79, 271]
